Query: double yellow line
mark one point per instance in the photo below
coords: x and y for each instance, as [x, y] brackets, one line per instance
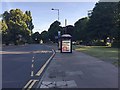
[43, 67]
[29, 85]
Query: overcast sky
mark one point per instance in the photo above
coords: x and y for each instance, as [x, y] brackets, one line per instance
[43, 16]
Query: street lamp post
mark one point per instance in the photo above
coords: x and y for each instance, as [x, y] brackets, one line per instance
[58, 12]
[59, 32]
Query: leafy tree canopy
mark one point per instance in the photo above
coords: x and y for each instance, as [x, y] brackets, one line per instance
[53, 30]
[16, 22]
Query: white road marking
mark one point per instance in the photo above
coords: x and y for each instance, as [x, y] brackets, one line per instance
[57, 51]
[13, 52]
[32, 82]
[27, 84]
[32, 65]
[43, 67]
[32, 73]
[31, 85]
[32, 60]
[23, 52]
[42, 51]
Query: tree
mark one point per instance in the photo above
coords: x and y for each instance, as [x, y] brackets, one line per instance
[53, 30]
[4, 27]
[102, 23]
[118, 22]
[44, 36]
[4, 32]
[36, 37]
[116, 34]
[80, 32]
[69, 29]
[19, 24]
[29, 21]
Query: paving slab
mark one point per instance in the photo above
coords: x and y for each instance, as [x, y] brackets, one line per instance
[79, 70]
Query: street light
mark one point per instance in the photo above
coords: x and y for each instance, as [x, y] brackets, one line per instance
[58, 12]
[59, 32]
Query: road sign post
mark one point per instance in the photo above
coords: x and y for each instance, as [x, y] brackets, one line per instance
[59, 43]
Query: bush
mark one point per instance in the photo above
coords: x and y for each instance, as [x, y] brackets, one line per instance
[99, 43]
[116, 44]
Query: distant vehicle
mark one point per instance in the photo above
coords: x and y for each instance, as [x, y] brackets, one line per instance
[74, 43]
[41, 41]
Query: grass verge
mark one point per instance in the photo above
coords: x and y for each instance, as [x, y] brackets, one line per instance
[102, 52]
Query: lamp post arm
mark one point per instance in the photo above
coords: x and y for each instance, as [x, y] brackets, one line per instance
[58, 12]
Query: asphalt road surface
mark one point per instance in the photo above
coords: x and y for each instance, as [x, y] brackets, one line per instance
[20, 64]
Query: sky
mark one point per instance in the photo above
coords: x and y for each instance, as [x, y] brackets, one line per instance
[43, 16]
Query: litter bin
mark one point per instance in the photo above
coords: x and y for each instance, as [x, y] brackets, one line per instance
[66, 43]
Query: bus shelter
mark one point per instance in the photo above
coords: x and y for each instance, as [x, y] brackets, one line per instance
[66, 43]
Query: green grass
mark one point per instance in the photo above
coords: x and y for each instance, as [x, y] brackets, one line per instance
[102, 52]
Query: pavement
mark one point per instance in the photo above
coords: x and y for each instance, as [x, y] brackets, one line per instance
[78, 70]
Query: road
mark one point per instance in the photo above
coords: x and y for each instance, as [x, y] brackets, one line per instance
[20, 64]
